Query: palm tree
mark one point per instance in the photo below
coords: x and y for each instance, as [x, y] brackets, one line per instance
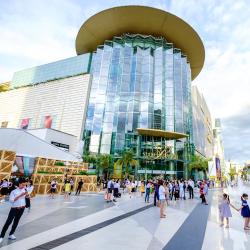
[127, 161]
[90, 158]
[197, 164]
[103, 163]
[232, 173]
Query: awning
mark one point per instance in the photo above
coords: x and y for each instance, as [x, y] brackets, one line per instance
[161, 133]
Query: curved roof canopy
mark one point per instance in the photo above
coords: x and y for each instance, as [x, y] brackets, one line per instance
[161, 133]
[146, 21]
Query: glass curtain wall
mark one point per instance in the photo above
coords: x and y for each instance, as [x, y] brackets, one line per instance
[137, 82]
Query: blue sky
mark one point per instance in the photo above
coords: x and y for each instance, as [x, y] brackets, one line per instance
[35, 32]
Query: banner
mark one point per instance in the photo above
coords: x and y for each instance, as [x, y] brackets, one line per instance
[25, 123]
[218, 168]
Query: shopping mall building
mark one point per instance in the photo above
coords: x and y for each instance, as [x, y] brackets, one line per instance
[129, 87]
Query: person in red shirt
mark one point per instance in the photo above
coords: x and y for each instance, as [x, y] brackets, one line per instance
[202, 194]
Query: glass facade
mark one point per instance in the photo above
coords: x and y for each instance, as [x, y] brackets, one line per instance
[137, 82]
[202, 125]
[61, 69]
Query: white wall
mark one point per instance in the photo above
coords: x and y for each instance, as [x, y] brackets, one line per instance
[50, 135]
[65, 99]
[26, 144]
[40, 133]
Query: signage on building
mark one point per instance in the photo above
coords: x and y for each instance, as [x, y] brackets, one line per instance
[144, 171]
[62, 146]
[159, 152]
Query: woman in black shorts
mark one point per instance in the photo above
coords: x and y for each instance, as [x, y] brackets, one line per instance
[4, 189]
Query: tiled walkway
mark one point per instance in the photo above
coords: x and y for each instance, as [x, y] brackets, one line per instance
[87, 222]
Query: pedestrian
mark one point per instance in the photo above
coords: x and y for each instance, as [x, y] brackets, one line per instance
[71, 182]
[170, 186]
[202, 194]
[156, 192]
[191, 188]
[17, 199]
[148, 185]
[79, 187]
[67, 189]
[245, 211]
[166, 186]
[29, 189]
[110, 186]
[53, 186]
[162, 198]
[129, 188]
[142, 188]
[225, 211]
[4, 189]
[181, 186]
[139, 186]
[116, 189]
[133, 187]
[176, 191]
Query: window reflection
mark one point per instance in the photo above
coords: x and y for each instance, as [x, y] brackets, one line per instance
[137, 81]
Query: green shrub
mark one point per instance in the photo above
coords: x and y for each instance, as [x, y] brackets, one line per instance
[59, 163]
[83, 172]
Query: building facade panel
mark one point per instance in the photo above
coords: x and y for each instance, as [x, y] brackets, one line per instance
[58, 104]
[56, 70]
[202, 125]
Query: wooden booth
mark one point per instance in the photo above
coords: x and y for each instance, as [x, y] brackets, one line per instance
[47, 169]
[7, 159]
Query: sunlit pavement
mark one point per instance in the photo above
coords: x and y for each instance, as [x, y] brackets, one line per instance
[88, 222]
[233, 238]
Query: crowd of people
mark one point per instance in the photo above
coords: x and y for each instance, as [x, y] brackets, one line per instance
[159, 191]
[68, 187]
[163, 191]
[7, 186]
[173, 190]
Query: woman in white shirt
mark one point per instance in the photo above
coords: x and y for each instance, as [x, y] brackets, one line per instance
[182, 189]
[162, 198]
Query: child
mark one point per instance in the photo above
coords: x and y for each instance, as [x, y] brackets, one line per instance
[245, 211]
[142, 188]
[225, 211]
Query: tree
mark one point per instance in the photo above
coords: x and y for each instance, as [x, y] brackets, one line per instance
[127, 161]
[232, 172]
[103, 163]
[90, 158]
[198, 163]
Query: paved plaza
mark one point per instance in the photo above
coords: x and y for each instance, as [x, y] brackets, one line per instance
[88, 222]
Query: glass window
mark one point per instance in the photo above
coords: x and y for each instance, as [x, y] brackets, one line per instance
[106, 138]
[138, 81]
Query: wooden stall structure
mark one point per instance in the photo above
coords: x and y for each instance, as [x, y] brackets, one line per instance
[7, 159]
[47, 169]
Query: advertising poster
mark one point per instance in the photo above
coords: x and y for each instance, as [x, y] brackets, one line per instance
[218, 168]
[25, 123]
[47, 121]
